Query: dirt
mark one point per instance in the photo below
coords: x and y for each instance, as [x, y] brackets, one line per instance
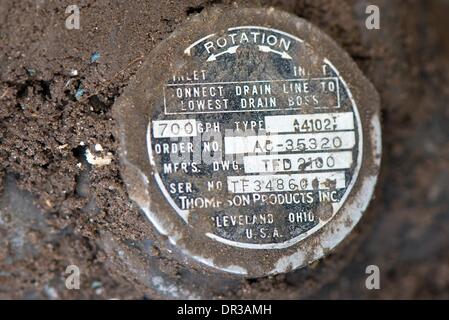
[56, 209]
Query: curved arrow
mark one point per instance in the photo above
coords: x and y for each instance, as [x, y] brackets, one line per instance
[230, 50]
[283, 54]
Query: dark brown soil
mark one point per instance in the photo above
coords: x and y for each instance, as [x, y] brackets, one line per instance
[57, 210]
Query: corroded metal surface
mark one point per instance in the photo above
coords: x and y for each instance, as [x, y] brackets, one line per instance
[251, 141]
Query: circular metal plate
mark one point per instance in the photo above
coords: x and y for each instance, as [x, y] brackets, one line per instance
[250, 140]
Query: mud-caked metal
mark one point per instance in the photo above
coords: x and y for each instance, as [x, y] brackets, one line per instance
[251, 141]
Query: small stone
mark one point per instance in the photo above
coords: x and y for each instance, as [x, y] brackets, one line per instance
[95, 57]
[97, 160]
[98, 147]
[63, 146]
[31, 72]
[96, 284]
[79, 93]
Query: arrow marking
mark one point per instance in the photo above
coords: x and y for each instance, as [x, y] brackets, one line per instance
[283, 54]
[230, 50]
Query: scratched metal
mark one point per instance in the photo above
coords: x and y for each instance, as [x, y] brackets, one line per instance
[251, 141]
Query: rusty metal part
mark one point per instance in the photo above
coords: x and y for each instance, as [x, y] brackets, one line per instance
[228, 106]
